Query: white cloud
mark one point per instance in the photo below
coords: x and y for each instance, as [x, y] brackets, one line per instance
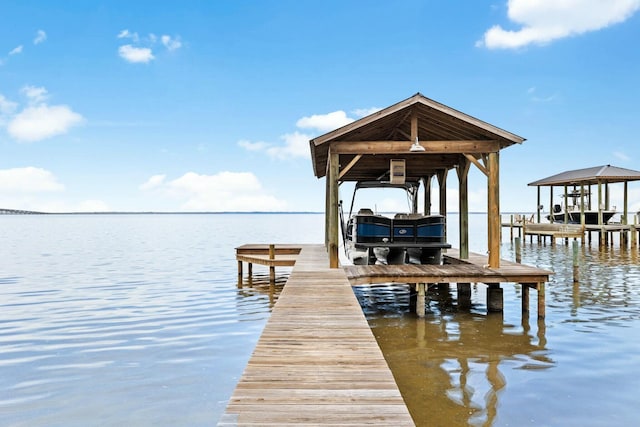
[126, 34]
[92, 206]
[6, 107]
[363, 112]
[16, 50]
[621, 156]
[532, 91]
[170, 43]
[154, 182]
[325, 122]
[28, 180]
[141, 49]
[544, 21]
[253, 146]
[39, 122]
[41, 36]
[296, 145]
[224, 191]
[36, 95]
[135, 54]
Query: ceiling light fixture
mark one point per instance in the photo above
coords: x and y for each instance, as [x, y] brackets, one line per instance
[416, 147]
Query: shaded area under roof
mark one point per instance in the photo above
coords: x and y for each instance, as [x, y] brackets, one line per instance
[589, 176]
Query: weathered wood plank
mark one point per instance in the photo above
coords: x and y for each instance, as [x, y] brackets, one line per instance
[317, 361]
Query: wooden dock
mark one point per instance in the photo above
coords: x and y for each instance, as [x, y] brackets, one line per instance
[463, 272]
[317, 361]
[628, 233]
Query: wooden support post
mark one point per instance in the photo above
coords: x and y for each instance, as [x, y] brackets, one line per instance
[541, 301]
[576, 270]
[464, 295]
[420, 303]
[518, 250]
[493, 201]
[334, 170]
[239, 274]
[250, 269]
[511, 228]
[272, 269]
[525, 297]
[494, 298]
[463, 206]
[413, 297]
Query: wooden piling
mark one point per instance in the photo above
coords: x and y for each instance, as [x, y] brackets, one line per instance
[464, 295]
[518, 250]
[576, 271]
[495, 302]
[420, 303]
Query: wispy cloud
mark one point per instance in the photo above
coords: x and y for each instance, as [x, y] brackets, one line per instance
[544, 21]
[16, 50]
[223, 191]
[296, 144]
[140, 49]
[41, 36]
[171, 43]
[532, 91]
[28, 180]
[621, 156]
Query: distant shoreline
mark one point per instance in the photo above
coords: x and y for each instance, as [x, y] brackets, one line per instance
[24, 212]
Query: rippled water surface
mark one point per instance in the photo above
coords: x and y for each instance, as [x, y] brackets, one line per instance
[578, 367]
[118, 320]
[138, 320]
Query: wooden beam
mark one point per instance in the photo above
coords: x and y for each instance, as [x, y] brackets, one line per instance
[414, 125]
[477, 163]
[402, 147]
[350, 165]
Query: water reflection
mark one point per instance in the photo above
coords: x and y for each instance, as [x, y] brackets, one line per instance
[449, 365]
[259, 284]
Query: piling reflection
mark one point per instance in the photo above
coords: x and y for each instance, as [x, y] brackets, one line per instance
[449, 365]
[260, 285]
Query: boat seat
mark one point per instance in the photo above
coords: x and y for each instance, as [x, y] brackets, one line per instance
[365, 211]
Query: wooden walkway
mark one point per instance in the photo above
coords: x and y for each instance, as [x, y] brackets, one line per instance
[317, 361]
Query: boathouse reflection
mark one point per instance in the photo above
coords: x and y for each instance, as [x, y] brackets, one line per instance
[448, 365]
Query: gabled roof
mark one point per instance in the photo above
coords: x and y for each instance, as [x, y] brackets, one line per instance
[589, 176]
[436, 122]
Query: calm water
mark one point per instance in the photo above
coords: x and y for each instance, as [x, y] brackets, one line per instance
[137, 319]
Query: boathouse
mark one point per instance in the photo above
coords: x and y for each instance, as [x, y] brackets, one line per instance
[431, 139]
[580, 206]
[582, 181]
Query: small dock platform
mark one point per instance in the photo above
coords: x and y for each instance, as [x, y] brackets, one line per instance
[317, 361]
[463, 272]
[628, 233]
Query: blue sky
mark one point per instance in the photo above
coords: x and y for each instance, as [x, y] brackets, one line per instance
[209, 105]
